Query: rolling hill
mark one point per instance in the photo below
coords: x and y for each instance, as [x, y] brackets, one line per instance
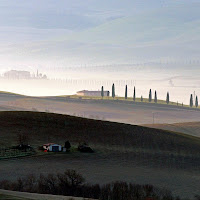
[190, 128]
[43, 127]
[116, 111]
[122, 152]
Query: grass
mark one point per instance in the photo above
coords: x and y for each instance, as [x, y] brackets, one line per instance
[9, 155]
[145, 100]
[8, 197]
[129, 99]
[117, 98]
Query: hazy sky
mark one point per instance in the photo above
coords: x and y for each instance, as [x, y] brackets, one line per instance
[76, 32]
[60, 37]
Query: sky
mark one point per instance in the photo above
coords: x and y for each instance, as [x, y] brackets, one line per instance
[76, 32]
[62, 38]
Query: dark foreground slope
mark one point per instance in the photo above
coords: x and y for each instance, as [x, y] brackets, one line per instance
[122, 152]
[45, 127]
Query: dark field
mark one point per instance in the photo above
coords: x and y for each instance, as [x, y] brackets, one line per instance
[8, 197]
[45, 127]
[122, 152]
[105, 168]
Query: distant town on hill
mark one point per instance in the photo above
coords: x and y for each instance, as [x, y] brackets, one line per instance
[16, 74]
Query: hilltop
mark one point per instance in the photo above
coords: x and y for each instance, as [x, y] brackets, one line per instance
[118, 110]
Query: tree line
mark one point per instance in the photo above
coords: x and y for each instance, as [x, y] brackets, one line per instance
[150, 98]
[72, 183]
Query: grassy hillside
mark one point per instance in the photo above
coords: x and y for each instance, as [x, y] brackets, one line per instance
[117, 111]
[44, 127]
[190, 128]
[8, 96]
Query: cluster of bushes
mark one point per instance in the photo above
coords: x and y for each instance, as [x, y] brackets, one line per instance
[71, 183]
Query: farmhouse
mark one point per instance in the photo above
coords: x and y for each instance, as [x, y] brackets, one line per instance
[92, 93]
[14, 74]
[52, 147]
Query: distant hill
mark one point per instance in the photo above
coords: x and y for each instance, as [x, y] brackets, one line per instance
[117, 111]
[8, 96]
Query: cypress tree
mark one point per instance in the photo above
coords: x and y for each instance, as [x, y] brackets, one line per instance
[150, 96]
[141, 98]
[191, 100]
[155, 98]
[134, 95]
[167, 98]
[102, 92]
[196, 102]
[113, 91]
[126, 92]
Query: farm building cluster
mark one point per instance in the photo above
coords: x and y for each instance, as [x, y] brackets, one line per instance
[52, 147]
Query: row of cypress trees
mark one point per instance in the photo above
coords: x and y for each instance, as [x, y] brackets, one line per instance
[150, 96]
[196, 101]
[155, 97]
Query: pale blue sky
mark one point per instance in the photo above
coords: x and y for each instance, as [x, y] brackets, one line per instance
[59, 37]
[80, 32]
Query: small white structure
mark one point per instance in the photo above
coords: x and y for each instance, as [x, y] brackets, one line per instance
[92, 93]
[52, 147]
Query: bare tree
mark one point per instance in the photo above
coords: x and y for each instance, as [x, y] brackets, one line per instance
[22, 139]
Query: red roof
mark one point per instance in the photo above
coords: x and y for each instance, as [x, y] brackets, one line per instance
[49, 144]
